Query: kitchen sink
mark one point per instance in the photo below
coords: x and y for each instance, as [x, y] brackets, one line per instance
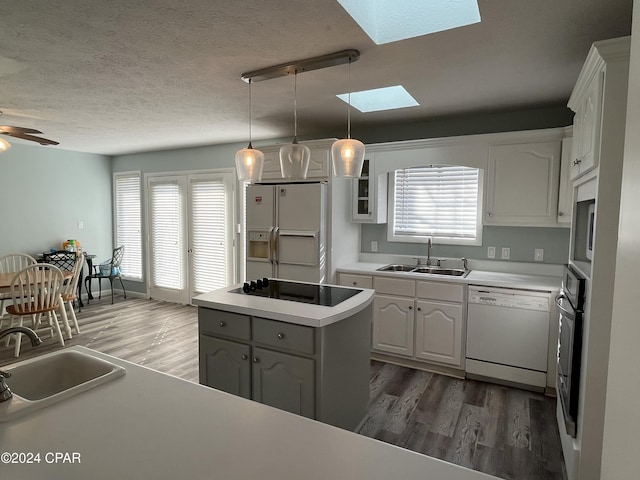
[456, 272]
[52, 378]
[396, 268]
[429, 270]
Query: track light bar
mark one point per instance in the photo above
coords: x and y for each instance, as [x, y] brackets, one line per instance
[299, 66]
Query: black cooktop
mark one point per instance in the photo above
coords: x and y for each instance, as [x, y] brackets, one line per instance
[315, 294]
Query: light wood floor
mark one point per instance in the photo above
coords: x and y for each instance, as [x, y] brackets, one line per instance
[506, 432]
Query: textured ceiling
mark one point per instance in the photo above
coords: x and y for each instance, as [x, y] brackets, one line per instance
[122, 76]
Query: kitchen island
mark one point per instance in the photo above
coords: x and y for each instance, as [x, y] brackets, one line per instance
[303, 349]
[148, 425]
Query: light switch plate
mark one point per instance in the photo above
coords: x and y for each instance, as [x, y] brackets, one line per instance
[374, 246]
[506, 253]
[538, 255]
[80, 225]
[491, 252]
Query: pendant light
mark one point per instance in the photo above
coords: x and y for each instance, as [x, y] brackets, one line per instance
[347, 154]
[294, 158]
[249, 161]
[4, 145]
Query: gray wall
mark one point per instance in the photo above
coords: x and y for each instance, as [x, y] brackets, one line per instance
[521, 240]
[45, 191]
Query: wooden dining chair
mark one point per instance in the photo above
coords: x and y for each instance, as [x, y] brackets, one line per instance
[13, 262]
[35, 291]
[69, 291]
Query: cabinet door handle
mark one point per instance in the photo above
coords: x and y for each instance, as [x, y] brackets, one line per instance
[490, 214]
[560, 214]
[256, 359]
[355, 283]
[244, 357]
[419, 309]
[410, 308]
[280, 336]
[577, 162]
[223, 324]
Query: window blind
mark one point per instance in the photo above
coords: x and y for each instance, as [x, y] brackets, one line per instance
[436, 201]
[167, 243]
[128, 223]
[209, 235]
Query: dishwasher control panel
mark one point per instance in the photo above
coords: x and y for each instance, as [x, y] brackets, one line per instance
[522, 300]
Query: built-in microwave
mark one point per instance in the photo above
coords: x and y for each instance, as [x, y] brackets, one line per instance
[591, 214]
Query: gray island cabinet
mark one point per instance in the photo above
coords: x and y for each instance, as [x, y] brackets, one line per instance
[310, 360]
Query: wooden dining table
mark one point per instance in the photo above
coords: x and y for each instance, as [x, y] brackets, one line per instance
[5, 287]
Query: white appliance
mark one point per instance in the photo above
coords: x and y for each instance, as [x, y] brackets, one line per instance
[285, 232]
[508, 335]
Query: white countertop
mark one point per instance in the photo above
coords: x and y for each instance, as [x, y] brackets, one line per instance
[283, 310]
[148, 425]
[547, 283]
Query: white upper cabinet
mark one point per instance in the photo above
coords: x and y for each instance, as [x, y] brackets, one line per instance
[318, 163]
[369, 204]
[586, 128]
[522, 184]
[565, 193]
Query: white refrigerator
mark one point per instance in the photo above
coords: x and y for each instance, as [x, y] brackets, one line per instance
[286, 231]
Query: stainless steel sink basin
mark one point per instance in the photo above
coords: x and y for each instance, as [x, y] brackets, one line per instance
[396, 268]
[429, 270]
[456, 272]
[52, 378]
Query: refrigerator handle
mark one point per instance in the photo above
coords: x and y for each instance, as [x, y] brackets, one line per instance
[273, 254]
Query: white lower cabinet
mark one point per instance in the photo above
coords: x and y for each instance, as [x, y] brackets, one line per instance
[393, 321]
[439, 332]
[426, 325]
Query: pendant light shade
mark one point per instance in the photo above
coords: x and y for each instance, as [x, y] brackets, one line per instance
[294, 158]
[4, 145]
[249, 161]
[347, 155]
[249, 164]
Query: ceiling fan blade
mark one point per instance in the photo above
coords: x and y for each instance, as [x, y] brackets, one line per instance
[9, 130]
[32, 138]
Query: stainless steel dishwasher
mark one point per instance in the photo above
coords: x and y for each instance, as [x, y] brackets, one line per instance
[508, 335]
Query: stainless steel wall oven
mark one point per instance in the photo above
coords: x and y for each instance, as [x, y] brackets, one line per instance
[570, 302]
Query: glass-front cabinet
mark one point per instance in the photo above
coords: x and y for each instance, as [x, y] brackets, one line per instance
[370, 195]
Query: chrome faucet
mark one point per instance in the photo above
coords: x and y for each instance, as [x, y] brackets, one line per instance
[429, 251]
[5, 391]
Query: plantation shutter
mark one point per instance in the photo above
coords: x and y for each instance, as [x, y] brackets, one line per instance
[209, 234]
[167, 220]
[436, 201]
[128, 223]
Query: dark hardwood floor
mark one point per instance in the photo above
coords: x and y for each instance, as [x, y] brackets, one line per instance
[506, 432]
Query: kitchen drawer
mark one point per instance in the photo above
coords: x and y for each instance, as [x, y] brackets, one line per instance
[360, 281]
[217, 322]
[447, 292]
[283, 335]
[395, 286]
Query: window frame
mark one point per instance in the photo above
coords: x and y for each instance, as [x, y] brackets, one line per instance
[391, 237]
[129, 174]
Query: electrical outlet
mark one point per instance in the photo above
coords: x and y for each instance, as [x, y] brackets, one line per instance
[491, 252]
[538, 255]
[374, 246]
[506, 253]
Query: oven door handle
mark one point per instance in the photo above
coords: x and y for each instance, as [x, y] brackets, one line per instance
[560, 297]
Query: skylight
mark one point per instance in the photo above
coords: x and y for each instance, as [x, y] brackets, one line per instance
[387, 21]
[387, 98]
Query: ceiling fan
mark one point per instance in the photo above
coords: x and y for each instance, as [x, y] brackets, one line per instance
[23, 133]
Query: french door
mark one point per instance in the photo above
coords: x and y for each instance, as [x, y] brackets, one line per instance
[190, 220]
